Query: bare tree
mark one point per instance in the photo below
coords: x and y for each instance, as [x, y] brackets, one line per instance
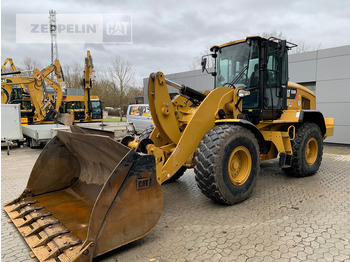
[73, 75]
[134, 92]
[304, 47]
[104, 88]
[301, 47]
[123, 77]
[29, 64]
[273, 33]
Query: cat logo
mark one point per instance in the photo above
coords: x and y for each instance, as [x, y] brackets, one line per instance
[143, 183]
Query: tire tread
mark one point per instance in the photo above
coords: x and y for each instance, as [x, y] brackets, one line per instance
[206, 162]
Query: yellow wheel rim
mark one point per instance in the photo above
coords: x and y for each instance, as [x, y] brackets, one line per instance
[239, 166]
[311, 151]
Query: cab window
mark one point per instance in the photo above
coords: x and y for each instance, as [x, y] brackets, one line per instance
[72, 105]
[96, 108]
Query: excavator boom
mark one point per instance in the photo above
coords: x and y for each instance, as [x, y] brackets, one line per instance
[89, 77]
[60, 87]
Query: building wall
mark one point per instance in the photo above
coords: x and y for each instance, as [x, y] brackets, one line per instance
[329, 70]
[326, 72]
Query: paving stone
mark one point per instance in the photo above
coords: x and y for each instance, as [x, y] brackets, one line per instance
[285, 219]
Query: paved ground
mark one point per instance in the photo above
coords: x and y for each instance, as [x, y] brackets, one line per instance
[286, 219]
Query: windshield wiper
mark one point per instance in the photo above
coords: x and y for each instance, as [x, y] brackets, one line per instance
[238, 77]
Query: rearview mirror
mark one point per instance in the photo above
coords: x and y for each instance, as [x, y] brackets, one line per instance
[204, 63]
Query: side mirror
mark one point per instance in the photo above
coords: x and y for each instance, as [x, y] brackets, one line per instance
[204, 63]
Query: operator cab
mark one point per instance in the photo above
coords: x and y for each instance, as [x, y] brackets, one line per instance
[260, 67]
[96, 109]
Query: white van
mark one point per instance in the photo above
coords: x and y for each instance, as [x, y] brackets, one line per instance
[140, 116]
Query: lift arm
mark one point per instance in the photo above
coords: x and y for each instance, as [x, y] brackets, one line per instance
[180, 123]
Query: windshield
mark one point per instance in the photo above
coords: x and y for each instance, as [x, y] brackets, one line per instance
[238, 65]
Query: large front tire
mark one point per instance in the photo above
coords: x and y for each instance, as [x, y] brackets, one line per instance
[307, 151]
[227, 163]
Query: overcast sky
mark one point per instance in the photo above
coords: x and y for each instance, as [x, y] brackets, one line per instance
[167, 35]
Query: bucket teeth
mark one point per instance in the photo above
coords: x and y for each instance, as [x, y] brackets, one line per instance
[48, 239]
[46, 234]
[22, 204]
[59, 245]
[45, 238]
[41, 224]
[31, 218]
[26, 210]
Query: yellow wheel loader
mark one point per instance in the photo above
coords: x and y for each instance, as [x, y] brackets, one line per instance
[88, 194]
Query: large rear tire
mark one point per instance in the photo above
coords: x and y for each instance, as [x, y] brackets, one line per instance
[227, 163]
[307, 151]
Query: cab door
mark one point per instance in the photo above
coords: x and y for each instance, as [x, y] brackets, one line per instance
[275, 79]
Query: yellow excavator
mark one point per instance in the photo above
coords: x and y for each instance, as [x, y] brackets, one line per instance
[89, 77]
[5, 93]
[45, 109]
[86, 108]
[58, 87]
[101, 194]
[81, 108]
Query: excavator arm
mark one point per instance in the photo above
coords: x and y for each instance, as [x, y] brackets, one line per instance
[38, 93]
[60, 87]
[89, 76]
[56, 68]
[9, 60]
[58, 90]
[13, 67]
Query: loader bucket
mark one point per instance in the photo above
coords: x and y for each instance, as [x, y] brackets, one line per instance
[86, 195]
